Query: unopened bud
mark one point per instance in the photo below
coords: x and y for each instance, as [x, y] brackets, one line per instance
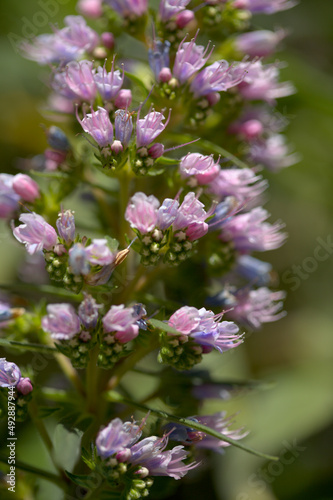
[121, 256]
[184, 18]
[165, 75]
[107, 39]
[117, 147]
[24, 386]
[57, 139]
[213, 98]
[123, 99]
[90, 8]
[156, 150]
[26, 187]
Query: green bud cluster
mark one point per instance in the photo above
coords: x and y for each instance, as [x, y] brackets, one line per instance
[151, 244]
[179, 249]
[168, 89]
[21, 412]
[180, 351]
[111, 350]
[142, 162]
[77, 348]
[58, 269]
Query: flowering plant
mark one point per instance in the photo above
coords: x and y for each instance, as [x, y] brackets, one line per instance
[167, 156]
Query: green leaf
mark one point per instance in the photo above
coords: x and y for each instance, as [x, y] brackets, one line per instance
[43, 290]
[164, 327]
[26, 346]
[46, 411]
[49, 175]
[116, 397]
[166, 161]
[137, 80]
[84, 481]
[210, 147]
[49, 476]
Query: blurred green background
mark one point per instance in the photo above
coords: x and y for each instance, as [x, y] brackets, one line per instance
[293, 355]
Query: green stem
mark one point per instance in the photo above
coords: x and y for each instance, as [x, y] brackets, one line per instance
[49, 476]
[129, 363]
[116, 397]
[124, 181]
[92, 380]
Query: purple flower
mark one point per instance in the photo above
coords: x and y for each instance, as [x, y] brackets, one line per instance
[250, 232]
[79, 80]
[219, 423]
[261, 43]
[26, 187]
[24, 386]
[169, 8]
[8, 197]
[108, 84]
[261, 83]
[218, 77]
[66, 226]
[242, 183]
[185, 319]
[203, 168]
[9, 373]
[190, 57]
[99, 254]
[61, 321]
[35, 233]
[268, 6]
[128, 8]
[116, 437]
[78, 260]
[254, 270]
[167, 213]
[88, 312]
[98, 125]
[64, 45]
[273, 152]
[256, 121]
[149, 453]
[158, 57]
[206, 329]
[123, 126]
[142, 212]
[255, 307]
[149, 127]
[191, 216]
[123, 321]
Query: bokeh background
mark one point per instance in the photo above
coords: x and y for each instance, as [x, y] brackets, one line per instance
[294, 410]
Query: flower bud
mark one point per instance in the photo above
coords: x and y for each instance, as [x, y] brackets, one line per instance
[156, 150]
[24, 386]
[26, 187]
[123, 99]
[213, 98]
[57, 139]
[66, 226]
[107, 39]
[123, 455]
[165, 75]
[184, 18]
[90, 8]
[117, 147]
[251, 129]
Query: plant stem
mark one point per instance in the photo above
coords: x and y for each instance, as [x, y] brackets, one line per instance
[92, 380]
[129, 363]
[49, 476]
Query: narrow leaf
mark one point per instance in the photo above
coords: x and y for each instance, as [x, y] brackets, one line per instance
[164, 327]
[53, 478]
[115, 397]
[27, 346]
[42, 289]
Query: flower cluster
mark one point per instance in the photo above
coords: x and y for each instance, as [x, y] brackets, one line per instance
[197, 332]
[195, 219]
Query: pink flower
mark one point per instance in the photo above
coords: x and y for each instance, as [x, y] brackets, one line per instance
[61, 321]
[123, 321]
[26, 187]
[98, 125]
[142, 212]
[203, 168]
[250, 232]
[35, 233]
[99, 254]
[149, 127]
